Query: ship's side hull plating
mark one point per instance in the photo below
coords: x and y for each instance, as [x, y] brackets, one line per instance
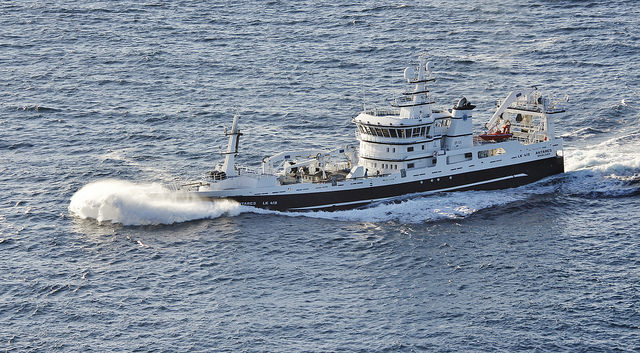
[489, 179]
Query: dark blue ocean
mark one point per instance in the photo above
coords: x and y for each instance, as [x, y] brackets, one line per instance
[118, 98]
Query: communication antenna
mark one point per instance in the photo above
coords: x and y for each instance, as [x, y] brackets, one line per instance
[364, 97]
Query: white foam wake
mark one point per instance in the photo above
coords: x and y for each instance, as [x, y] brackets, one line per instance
[128, 203]
[618, 156]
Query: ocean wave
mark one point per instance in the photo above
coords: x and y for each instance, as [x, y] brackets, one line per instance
[15, 146]
[36, 108]
[581, 133]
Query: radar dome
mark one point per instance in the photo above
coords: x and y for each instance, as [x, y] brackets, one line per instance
[409, 73]
[429, 66]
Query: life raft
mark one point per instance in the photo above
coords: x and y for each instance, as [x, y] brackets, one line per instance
[503, 135]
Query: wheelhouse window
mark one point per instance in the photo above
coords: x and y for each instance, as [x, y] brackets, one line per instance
[422, 131]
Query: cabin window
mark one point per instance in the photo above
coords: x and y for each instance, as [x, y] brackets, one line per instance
[422, 131]
[409, 149]
[395, 166]
[394, 150]
[387, 149]
[423, 147]
[393, 133]
[401, 133]
[407, 132]
[379, 131]
[385, 132]
[410, 165]
[416, 132]
[468, 155]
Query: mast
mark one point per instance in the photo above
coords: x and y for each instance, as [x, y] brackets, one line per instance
[229, 166]
[416, 104]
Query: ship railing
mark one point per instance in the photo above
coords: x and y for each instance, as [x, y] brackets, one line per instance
[383, 112]
[173, 187]
[177, 187]
[192, 186]
[246, 170]
[240, 170]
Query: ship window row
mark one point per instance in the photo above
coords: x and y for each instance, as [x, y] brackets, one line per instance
[395, 133]
[388, 166]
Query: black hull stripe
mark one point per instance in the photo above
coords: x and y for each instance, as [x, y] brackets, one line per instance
[455, 188]
[488, 179]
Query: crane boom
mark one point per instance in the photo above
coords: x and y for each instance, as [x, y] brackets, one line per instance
[512, 97]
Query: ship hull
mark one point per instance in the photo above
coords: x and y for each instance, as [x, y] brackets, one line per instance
[501, 177]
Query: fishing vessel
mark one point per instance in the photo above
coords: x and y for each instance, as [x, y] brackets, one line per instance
[409, 148]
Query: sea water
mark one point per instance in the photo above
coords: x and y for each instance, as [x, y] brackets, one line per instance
[105, 102]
